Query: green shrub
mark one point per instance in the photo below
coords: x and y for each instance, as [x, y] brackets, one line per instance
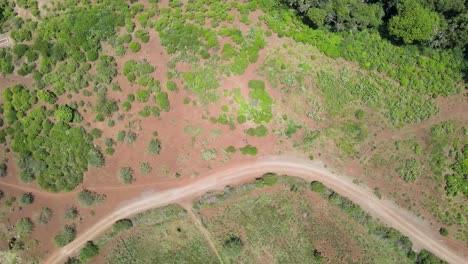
[259, 131]
[162, 99]
[26, 199]
[71, 213]
[45, 215]
[318, 187]
[65, 236]
[145, 168]
[89, 198]
[134, 46]
[89, 251]
[3, 169]
[269, 179]
[154, 146]
[249, 150]
[126, 175]
[230, 149]
[142, 95]
[443, 231]
[410, 170]
[143, 35]
[24, 227]
[172, 86]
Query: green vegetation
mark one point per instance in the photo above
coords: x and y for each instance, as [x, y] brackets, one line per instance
[65, 236]
[209, 154]
[249, 150]
[133, 69]
[24, 227]
[89, 198]
[45, 215]
[259, 131]
[145, 168]
[410, 170]
[71, 213]
[89, 251]
[154, 146]
[126, 175]
[26, 199]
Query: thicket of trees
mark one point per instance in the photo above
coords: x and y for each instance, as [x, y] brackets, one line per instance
[433, 23]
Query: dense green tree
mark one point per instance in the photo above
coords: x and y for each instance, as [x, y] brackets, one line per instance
[64, 113]
[413, 22]
[106, 69]
[46, 96]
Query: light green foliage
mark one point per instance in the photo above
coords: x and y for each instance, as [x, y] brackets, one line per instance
[24, 227]
[89, 251]
[258, 109]
[145, 168]
[134, 46]
[249, 150]
[172, 86]
[142, 95]
[457, 182]
[209, 154]
[126, 175]
[230, 149]
[133, 69]
[409, 170]
[106, 69]
[143, 35]
[64, 114]
[204, 82]
[413, 22]
[267, 180]
[46, 96]
[65, 236]
[259, 131]
[291, 128]
[89, 198]
[162, 98]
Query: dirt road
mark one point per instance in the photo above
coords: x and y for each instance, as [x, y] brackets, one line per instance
[420, 232]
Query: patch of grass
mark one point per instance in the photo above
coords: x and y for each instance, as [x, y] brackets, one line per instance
[249, 150]
[259, 131]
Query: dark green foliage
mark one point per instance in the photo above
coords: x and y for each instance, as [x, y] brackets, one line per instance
[410, 170]
[457, 182]
[2, 194]
[65, 236]
[3, 169]
[45, 215]
[172, 86]
[89, 198]
[443, 231]
[230, 149]
[426, 257]
[121, 136]
[249, 150]
[104, 107]
[154, 146]
[122, 225]
[131, 137]
[126, 175]
[89, 251]
[142, 95]
[71, 213]
[24, 227]
[26, 199]
[413, 22]
[359, 114]
[40, 146]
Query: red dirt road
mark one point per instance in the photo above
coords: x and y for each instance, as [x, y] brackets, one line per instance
[420, 232]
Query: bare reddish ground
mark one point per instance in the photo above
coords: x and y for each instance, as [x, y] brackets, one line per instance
[177, 155]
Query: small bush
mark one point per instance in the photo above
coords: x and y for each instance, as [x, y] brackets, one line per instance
[71, 213]
[134, 46]
[154, 146]
[24, 227]
[89, 198]
[3, 169]
[410, 170]
[145, 168]
[26, 199]
[269, 179]
[126, 175]
[317, 187]
[45, 215]
[142, 35]
[65, 236]
[249, 150]
[443, 231]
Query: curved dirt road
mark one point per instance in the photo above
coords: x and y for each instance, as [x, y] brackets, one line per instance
[420, 233]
